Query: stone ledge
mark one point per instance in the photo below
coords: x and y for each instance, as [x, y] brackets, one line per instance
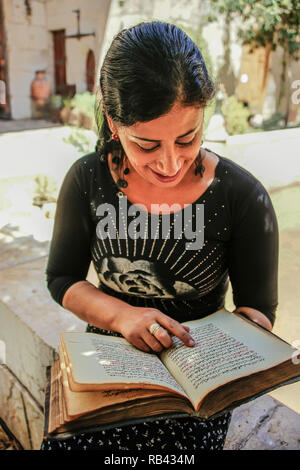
[30, 323]
[26, 354]
[21, 413]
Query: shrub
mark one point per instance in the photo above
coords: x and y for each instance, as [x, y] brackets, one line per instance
[236, 116]
[45, 190]
[84, 102]
[80, 140]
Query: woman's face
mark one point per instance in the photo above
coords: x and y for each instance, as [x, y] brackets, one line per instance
[161, 151]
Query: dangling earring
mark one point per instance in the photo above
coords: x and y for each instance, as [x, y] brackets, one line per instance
[121, 183]
[117, 160]
[200, 168]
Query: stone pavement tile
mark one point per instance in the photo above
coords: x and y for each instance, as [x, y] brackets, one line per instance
[263, 424]
[21, 249]
[245, 419]
[23, 236]
[281, 431]
[11, 125]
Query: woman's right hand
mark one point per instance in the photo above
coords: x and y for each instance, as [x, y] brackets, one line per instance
[134, 324]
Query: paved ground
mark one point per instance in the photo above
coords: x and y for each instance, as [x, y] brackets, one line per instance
[8, 125]
[273, 157]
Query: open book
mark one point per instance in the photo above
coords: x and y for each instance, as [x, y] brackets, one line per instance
[102, 381]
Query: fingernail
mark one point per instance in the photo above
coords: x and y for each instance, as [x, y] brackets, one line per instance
[191, 342]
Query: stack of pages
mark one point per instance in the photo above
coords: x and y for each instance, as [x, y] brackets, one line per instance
[103, 381]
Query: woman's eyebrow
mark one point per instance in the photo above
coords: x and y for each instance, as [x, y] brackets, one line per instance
[153, 140]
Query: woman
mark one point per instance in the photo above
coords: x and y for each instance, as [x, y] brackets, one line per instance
[154, 89]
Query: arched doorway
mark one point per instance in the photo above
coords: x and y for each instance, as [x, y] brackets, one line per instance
[90, 71]
[59, 61]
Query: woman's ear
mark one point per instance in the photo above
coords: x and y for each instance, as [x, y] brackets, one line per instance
[111, 124]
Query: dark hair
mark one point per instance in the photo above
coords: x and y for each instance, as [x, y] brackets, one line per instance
[146, 69]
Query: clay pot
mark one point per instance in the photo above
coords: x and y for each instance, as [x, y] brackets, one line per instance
[40, 88]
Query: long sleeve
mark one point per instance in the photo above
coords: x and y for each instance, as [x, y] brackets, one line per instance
[69, 256]
[253, 254]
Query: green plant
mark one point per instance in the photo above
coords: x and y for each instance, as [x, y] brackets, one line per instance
[236, 116]
[80, 140]
[67, 102]
[271, 23]
[84, 102]
[44, 191]
[56, 101]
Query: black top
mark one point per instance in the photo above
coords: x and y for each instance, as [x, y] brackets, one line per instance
[146, 261]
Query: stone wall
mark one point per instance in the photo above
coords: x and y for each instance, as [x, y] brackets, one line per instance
[27, 51]
[30, 47]
[30, 323]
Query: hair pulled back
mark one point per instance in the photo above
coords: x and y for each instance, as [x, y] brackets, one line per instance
[147, 68]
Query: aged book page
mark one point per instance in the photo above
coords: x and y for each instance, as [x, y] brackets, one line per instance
[226, 348]
[80, 403]
[97, 360]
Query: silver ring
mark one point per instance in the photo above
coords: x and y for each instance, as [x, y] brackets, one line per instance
[154, 327]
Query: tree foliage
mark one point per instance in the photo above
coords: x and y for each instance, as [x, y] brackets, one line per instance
[274, 22]
[266, 23]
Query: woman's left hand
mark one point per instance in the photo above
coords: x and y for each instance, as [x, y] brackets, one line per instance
[256, 316]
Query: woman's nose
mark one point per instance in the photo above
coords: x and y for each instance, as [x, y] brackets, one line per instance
[168, 165]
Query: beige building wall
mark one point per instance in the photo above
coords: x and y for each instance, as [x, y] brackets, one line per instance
[27, 50]
[30, 47]
[93, 18]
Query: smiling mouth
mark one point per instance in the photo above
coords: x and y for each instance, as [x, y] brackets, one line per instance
[165, 178]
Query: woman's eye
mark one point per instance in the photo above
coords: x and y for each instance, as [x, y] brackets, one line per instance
[186, 143]
[182, 144]
[149, 150]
